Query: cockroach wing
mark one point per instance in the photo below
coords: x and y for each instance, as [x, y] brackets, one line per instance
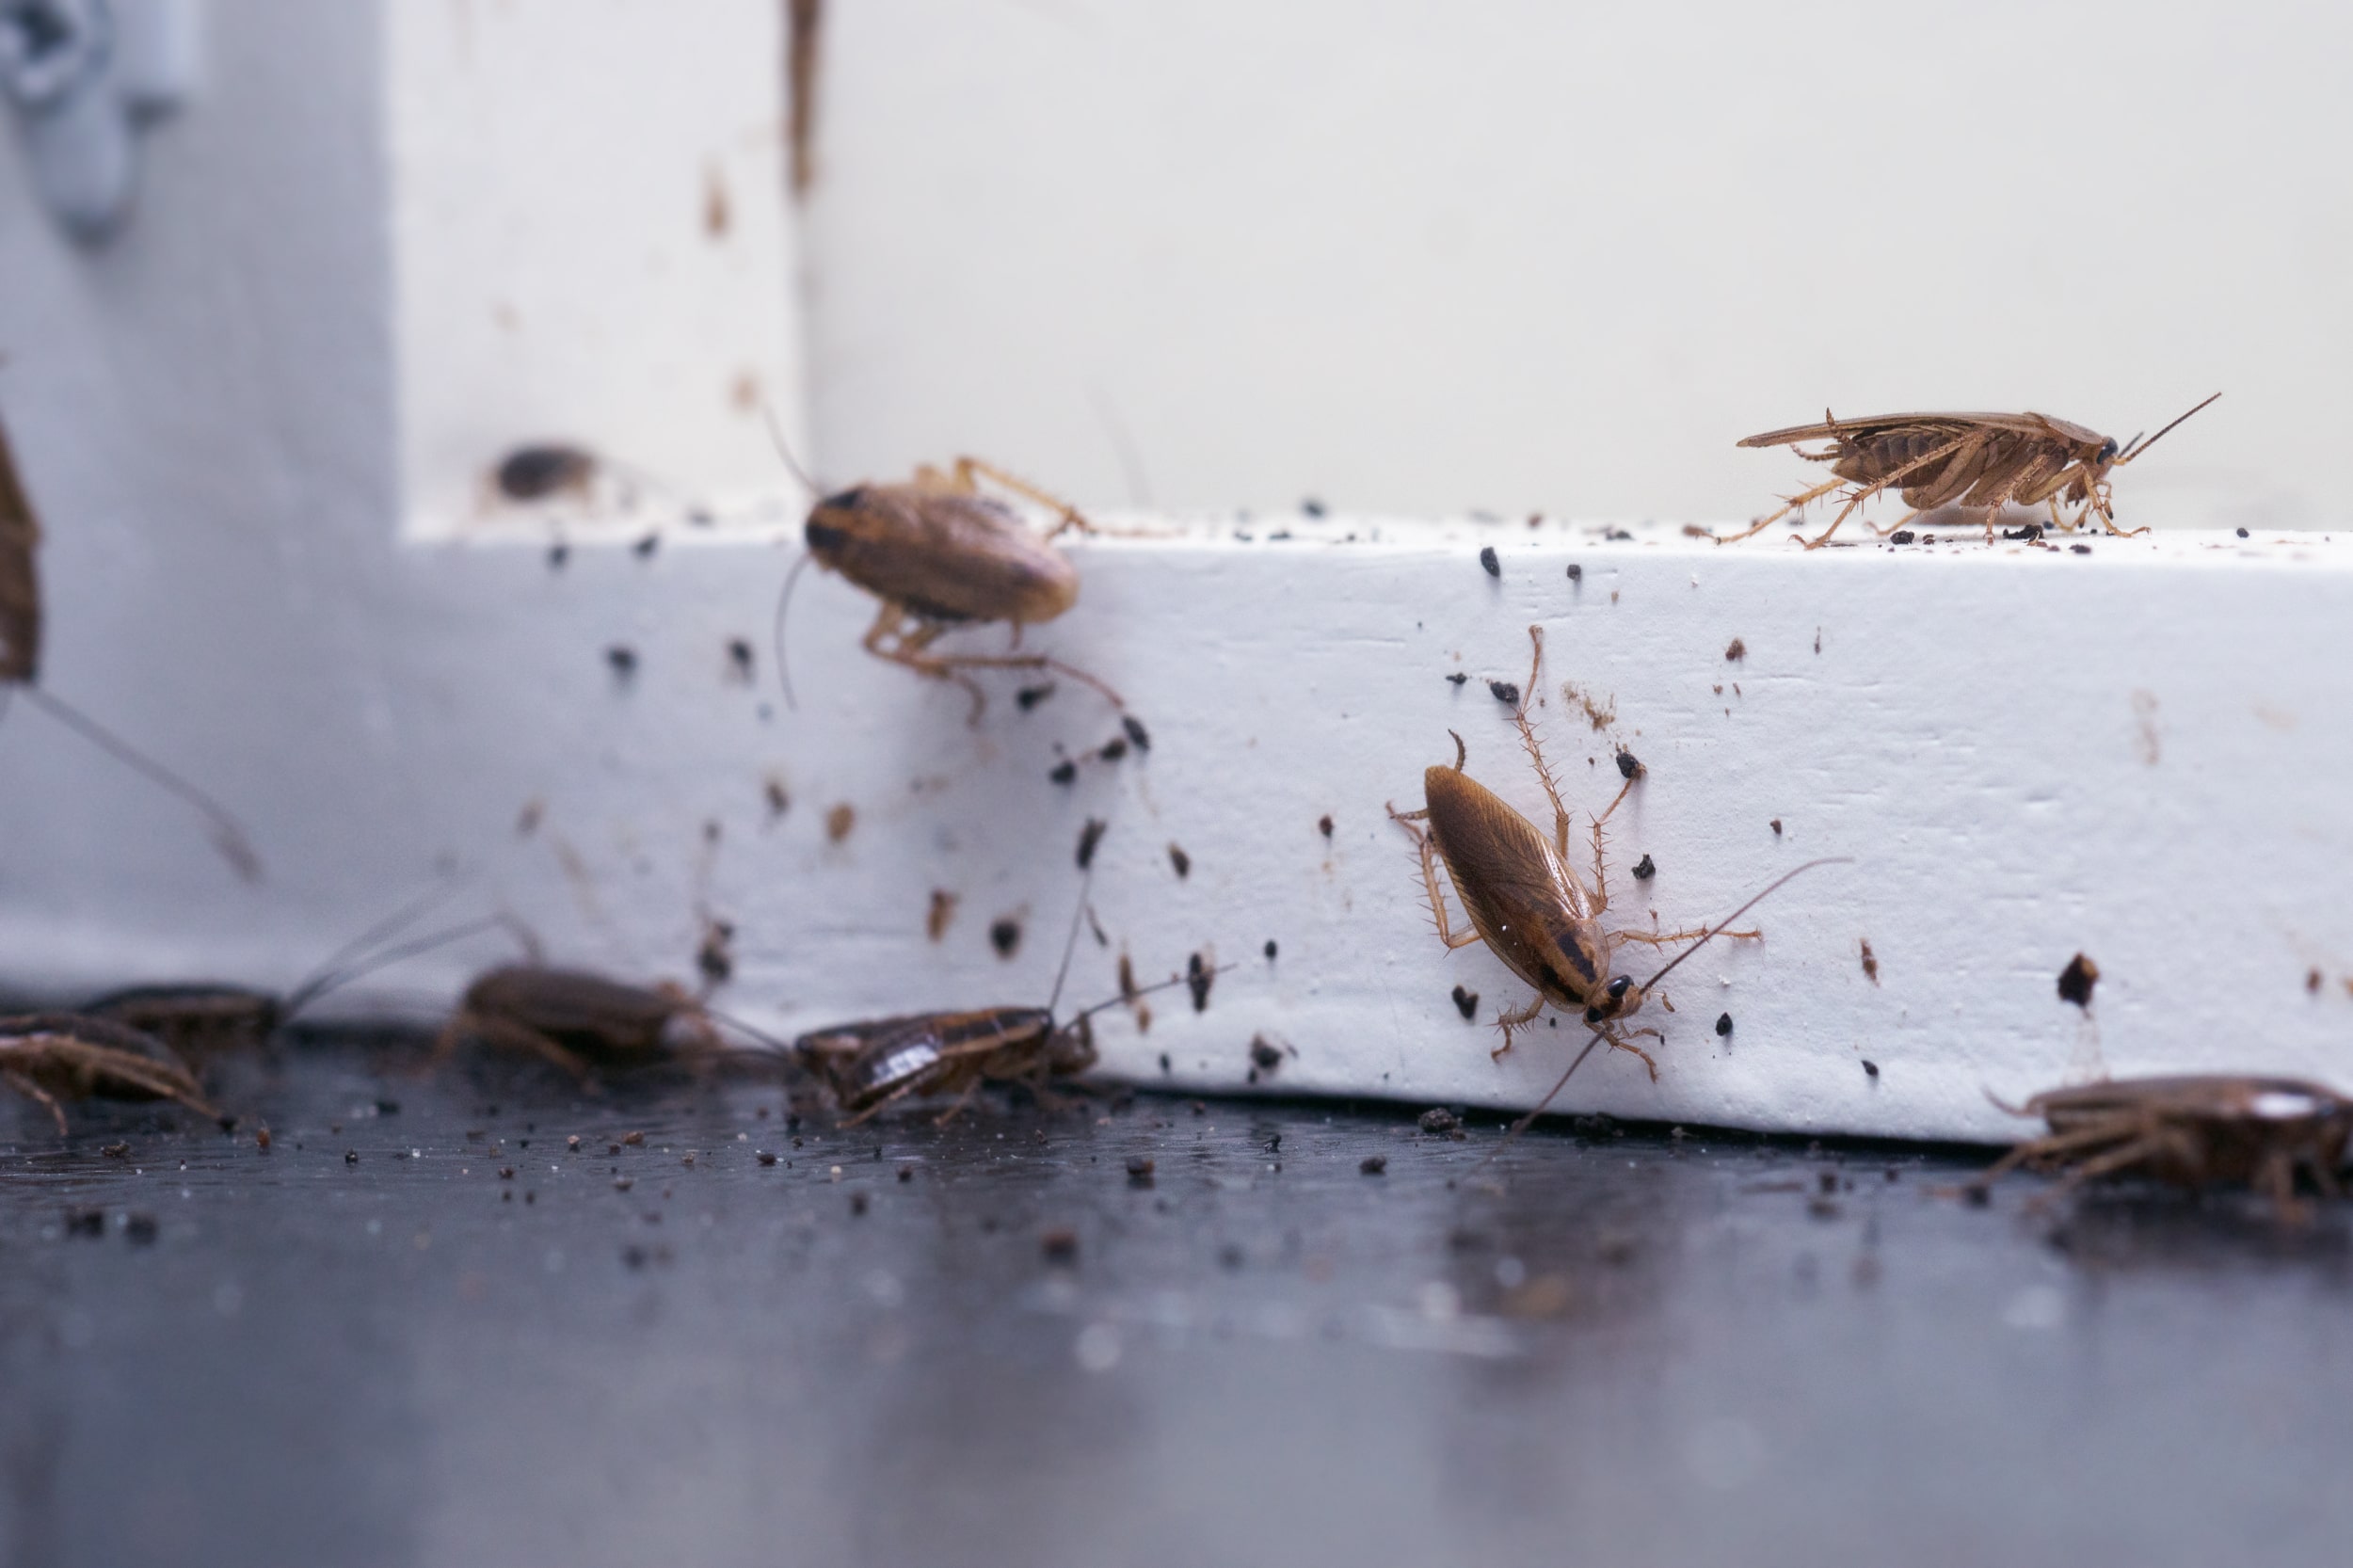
[1520, 897]
[946, 557]
[1946, 427]
[20, 588]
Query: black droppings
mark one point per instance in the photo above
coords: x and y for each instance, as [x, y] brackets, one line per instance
[1004, 935]
[1064, 772]
[1136, 733]
[1372, 1164]
[1723, 1026]
[1113, 749]
[1264, 1054]
[1179, 862]
[2031, 532]
[2076, 980]
[1312, 507]
[1140, 1171]
[1629, 767]
[1487, 559]
[1505, 692]
[1902, 536]
[623, 659]
[1438, 1121]
[1871, 1067]
[1323, 824]
[557, 555]
[740, 658]
[1467, 1002]
[1737, 651]
[1029, 697]
[1457, 678]
[2080, 549]
[1090, 836]
[1198, 976]
[1645, 868]
[1576, 573]
[1775, 825]
[2242, 533]
[1270, 950]
[645, 547]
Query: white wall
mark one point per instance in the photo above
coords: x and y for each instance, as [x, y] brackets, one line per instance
[1419, 256]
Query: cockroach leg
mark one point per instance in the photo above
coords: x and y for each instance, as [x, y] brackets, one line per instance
[1517, 1018]
[966, 480]
[1793, 503]
[962, 1100]
[1662, 939]
[1536, 749]
[1867, 491]
[30, 1089]
[1429, 848]
[910, 649]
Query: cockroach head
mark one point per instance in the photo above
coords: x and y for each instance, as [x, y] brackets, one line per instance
[1623, 998]
[1070, 1049]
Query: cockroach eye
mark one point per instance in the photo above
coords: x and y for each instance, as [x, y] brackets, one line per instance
[2107, 449]
[848, 501]
[823, 535]
[1618, 987]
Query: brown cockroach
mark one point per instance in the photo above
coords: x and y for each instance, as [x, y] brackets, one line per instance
[205, 1020]
[2189, 1130]
[873, 1062]
[20, 668]
[1530, 906]
[1984, 461]
[941, 553]
[585, 1023]
[54, 1057]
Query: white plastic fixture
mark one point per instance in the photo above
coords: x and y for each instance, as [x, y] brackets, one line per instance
[388, 243]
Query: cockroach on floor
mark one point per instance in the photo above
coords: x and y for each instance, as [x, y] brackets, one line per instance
[872, 1063]
[20, 669]
[203, 1021]
[2190, 1131]
[1985, 461]
[940, 553]
[586, 1024]
[1530, 906]
[54, 1057]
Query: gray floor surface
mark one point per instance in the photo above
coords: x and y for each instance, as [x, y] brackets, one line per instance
[1607, 1346]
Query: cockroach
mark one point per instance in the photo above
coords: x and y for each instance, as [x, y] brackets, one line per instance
[940, 553]
[872, 1063]
[2190, 1131]
[1530, 906]
[1985, 461]
[585, 1023]
[540, 469]
[54, 1057]
[20, 668]
[203, 1021]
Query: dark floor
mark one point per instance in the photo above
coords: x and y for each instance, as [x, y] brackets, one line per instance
[1615, 1347]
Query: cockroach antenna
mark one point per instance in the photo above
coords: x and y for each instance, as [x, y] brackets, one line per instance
[384, 958]
[2135, 447]
[1710, 934]
[227, 833]
[1070, 941]
[784, 598]
[784, 602]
